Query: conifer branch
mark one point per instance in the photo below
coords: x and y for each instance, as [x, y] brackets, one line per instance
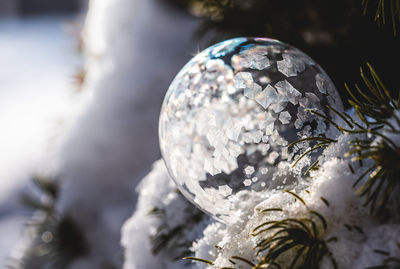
[374, 106]
[382, 8]
[303, 238]
[57, 240]
[299, 239]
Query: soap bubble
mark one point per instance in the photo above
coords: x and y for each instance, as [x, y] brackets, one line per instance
[229, 115]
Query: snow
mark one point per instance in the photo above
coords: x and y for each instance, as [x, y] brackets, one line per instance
[344, 213]
[157, 191]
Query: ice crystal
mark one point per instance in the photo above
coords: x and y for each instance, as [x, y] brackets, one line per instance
[285, 117]
[249, 170]
[225, 190]
[290, 65]
[247, 182]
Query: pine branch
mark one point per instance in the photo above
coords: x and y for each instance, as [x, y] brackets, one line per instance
[48, 189]
[323, 143]
[213, 9]
[374, 101]
[299, 239]
[381, 7]
[374, 106]
[57, 240]
[382, 176]
[302, 238]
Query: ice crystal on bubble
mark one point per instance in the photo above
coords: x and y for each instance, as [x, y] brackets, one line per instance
[285, 117]
[267, 97]
[249, 170]
[269, 129]
[209, 167]
[322, 83]
[288, 91]
[243, 80]
[253, 58]
[225, 190]
[252, 91]
[228, 115]
[272, 157]
[305, 132]
[255, 61]
[257, 136]
[311, 98]
[264, 170]
[247, 182]
[233, 129]
[290, 65]
[278, 107]
[263, 148]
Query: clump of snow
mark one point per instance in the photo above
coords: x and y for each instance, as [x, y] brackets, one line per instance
[381, 239]
[158, 194]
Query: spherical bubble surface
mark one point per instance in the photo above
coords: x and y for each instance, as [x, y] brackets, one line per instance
[229, 115]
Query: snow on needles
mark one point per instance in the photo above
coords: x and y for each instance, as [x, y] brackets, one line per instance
[161, 210]
[360, 241]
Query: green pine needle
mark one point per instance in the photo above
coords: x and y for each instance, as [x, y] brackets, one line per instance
[299, 238]
[381, 7]
[199, 260]
[302, 238]
[374, 106]
[56, 240]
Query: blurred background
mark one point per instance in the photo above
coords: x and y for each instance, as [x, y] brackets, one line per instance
[40, 7]
[81, 86]
[39, 56]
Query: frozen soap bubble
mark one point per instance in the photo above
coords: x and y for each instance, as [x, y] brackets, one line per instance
[229, 115]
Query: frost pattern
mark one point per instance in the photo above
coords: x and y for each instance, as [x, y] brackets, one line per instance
[291, 65]
[221, 116]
